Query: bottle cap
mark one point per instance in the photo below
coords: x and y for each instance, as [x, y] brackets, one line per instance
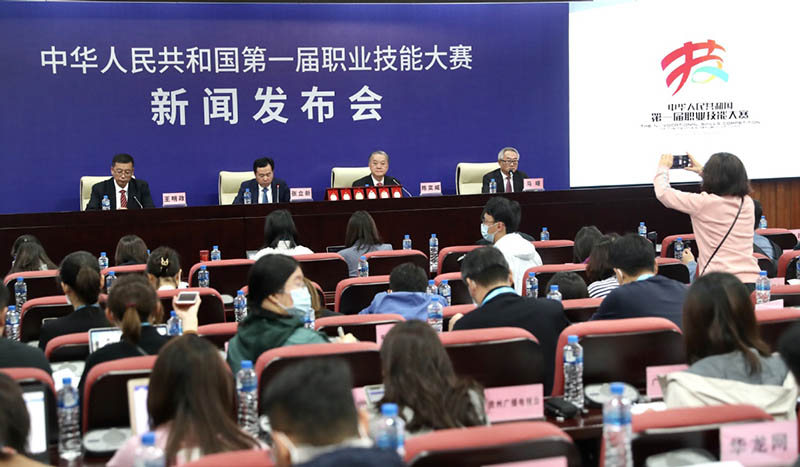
[66, 381]
[617, 388]
[366, 185]
[433, 235]
[431, 282]
[406, 236]
[363, 258]
[203, 267]
[105, 196]
[112, 273]
[763, 217]
[149, 439]
[554, 288]
[172, 313]
[247, 364]
[572, 338]
[531, 274]
[19, 279]
[492, 179]
[240, 292]
[102, 253]
[11, 308]
[435, 298]
[763, 273]
[444, 281]
[389, 409]
[641, 223]
[680, 239]
[216, 247]
[544, 228]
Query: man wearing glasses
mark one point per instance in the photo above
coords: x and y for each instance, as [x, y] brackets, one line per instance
[124, 191]
[507, 177]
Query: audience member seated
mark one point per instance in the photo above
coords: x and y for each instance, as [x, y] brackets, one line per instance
[641, 293]
[362, 237]
[16, 354]
[499, 223]
[570, 285]
[418, 376]
[280, 236]
[586, 238]
[789, 349]
[15, 425]
[277, 302]
[131, 250]
[191, 404]
[80, 279]
[730, 364]
[602, 279]
[762, 244]
[30, 256]
[164, 269]
[134, 307]
[406, 295]
[316, 304]
[315, 431]
[488, 279]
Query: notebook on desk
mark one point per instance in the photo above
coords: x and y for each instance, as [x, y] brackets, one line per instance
[137, 405]
[37, 405]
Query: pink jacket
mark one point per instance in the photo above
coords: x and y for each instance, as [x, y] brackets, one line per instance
[712, 216]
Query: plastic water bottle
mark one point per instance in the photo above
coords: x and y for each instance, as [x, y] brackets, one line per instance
[492, 186]
[406, 242]
[432, 289]
[390, 430]
[435, 313]
[532, 285]
[216, 255]
[573, 371]
[69, 436]
[240, 306]
[678, 248]
[203, 279]
[309, 319]
[148, 454]
[105, 203]
[102, 261]
[762, 288]
[174, 324]
[110, 278]
[247, 389]
[617, 429]
[762, 224]
[446, 292]
[642, 230]
[20, 292]
[363, 267]
[554, 294]
[434, 252]
[12, 323]
[545, 235]
[247, 196]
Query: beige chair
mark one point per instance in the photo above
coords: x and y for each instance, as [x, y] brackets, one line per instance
[229, 183]
[469, 176]
[87, 182]
[343, 177]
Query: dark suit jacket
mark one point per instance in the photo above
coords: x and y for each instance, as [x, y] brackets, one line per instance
[137, 188]
[280, 191]
[387, 181]
[518, 177]
[658, 297]
[541, 317]
[78, 321]
[15, 354]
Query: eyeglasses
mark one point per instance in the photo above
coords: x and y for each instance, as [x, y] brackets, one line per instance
[509, 161]
[123, 172]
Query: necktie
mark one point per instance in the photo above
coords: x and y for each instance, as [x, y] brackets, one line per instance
[264, 196]
[508, 184]
[123, 200]
[379, 184]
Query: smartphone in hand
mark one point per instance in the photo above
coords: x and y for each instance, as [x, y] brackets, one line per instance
[680, 161]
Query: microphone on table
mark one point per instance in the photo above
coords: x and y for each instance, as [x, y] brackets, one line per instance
[137, 201]
[407, 192]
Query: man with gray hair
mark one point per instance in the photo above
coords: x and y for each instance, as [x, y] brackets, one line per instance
[378, 166]
[507, 177]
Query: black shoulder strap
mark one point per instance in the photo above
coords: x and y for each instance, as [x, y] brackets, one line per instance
[723, 238]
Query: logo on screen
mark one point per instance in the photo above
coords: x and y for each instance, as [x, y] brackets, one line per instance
[693, 55]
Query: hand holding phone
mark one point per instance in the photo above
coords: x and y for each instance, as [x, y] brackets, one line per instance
[680, 161]
[186, 305]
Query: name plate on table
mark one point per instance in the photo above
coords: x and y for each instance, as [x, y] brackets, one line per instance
[772, 305]
[172, 200]
[775, 281]
[765, 443]
[653, 372]
[533, 184]
[380, 332]
[300, 194]
[547, 462]
[510, 403]
[430, 189]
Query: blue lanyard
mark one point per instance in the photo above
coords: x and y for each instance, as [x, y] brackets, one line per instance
[644, 277]
[496, 292]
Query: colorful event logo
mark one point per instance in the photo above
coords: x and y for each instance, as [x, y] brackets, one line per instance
[685, 69]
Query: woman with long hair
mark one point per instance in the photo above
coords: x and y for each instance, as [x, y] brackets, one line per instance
[600, 274]
[280, 236]
[164, 269]
[131, 249]
[362, 237]
[30, 256]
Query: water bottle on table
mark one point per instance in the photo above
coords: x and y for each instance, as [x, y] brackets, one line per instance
[174, 324]
[240, 306]
[573, 371]
[203, 278]
[545, 235]
[642, 230]
[617, 429]
[110, 278]
[12, 323]
[247, 388]
[762, 224]
[69, 436]
[20, 292]
[247, 196]
[148, 454]
[432, 289]
[492, 186]
[678, 247]
[446, 292]
[363, 267]
[762, 288]
[532, 285]
[105, 203]
[435, 313]
[216, 255]
[102, 261]
[434, 253]
[554, 294]
[389, 431]
[406, 242]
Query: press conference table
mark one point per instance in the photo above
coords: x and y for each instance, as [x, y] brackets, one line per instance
[236, 229]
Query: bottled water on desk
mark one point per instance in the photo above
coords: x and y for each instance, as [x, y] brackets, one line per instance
[532, 285]
[678, 247]
[102, 261]
[446, 292]
[247, 196]
[309, 319]
[216, 255]
[573, 371]
[105, 203]
[545, 235]
[363, 267]
[762, 224]
[492, 186]
[148, 454]
[240, 306]
[406, 242]
[69, 436]
[20, 292]
[642, 230]
[617, 429]
[247, 388]
[554, 294]
[762, 288]
[12, 323]
[389, 431]
[435, 313]
[203, 278]
[110, 278]
[174, 324]
[434, 253]
[432, 289]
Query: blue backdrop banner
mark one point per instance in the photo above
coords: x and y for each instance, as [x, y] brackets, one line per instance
[193, 89]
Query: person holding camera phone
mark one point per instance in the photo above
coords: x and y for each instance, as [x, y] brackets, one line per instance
[722, 214]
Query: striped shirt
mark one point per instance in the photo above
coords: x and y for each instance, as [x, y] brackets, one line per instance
[602, 288]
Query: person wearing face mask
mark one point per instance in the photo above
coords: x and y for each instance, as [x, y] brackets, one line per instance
[313, 431]
[277, 302]
[499, 224]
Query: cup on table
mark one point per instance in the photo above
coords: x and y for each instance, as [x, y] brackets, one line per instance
[203, 255]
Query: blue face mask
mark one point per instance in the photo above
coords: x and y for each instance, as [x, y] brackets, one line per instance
[301, 303]
[485, 233]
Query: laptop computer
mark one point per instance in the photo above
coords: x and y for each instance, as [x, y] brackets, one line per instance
[100, 337]
[40, 426]
[137, 405]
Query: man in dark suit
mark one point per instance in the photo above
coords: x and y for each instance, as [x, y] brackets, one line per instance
[123, 191]
[641, 293]
[378, 166]
[507, 177]
[489, 280]
[264, 188]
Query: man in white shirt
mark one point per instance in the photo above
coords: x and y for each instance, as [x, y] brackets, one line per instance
[378, 166]
[264, 188]
[507, 177]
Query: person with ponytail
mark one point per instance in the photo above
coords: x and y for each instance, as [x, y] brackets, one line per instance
[80, 279]
[164, 269]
